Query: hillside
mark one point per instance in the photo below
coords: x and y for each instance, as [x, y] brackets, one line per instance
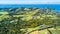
[19, 20]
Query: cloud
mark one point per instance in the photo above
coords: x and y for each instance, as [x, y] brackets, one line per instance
[29, 1]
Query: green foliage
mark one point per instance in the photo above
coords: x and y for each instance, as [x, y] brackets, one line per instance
[16, 19]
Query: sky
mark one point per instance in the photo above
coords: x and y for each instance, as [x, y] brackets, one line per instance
[29, 1]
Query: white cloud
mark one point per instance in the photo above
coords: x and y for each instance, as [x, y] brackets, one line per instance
[29, 1]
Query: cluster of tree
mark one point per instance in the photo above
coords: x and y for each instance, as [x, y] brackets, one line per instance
[13, 25]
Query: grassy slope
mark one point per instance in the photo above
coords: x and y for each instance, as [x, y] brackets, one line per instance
[4, 12]
[54, 31]
[29, 29]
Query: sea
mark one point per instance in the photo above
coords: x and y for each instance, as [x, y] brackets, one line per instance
[53, 6]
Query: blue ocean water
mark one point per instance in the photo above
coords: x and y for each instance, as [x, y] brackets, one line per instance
[54, 6]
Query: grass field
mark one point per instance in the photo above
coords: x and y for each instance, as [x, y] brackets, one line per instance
[3, 12]
[44, 31]
[53, 31]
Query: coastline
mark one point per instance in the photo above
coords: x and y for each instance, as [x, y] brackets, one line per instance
[54, 6]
